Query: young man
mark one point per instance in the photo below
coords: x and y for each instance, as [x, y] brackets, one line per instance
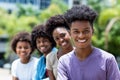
[45, 45]
[86, 62]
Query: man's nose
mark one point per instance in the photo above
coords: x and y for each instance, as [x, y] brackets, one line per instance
[81, 34]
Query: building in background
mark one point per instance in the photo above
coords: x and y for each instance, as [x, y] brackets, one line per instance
[36, 4]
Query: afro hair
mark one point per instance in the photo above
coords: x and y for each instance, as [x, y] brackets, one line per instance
[54, 22]
[81, 12]
[40, 31]
[21, 36]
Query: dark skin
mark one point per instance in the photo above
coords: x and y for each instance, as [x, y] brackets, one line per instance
[23, 48]
[51, 75]
[81, 32]
[59, 54]
[62, 38]
[14, 78]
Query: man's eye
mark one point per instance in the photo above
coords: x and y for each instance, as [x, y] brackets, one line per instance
[75, 32]
[37, 42]
[56, 39]
[26, 47]
[46, 40]
[62, 35]
[19, 47]
[86, 31]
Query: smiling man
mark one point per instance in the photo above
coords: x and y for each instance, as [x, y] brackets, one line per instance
[45, 45]
[85, 62]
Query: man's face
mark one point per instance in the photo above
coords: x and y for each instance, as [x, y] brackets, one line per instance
[62, 37]
[81, 33]
[43, 45]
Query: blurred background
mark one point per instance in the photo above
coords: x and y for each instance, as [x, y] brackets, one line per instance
[23, 15]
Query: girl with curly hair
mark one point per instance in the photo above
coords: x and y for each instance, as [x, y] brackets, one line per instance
[24, 67]
[58, 29]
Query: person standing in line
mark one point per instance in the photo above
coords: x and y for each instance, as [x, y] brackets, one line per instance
[45, 45]
[24, 67]
[57, 27]
[85, 62]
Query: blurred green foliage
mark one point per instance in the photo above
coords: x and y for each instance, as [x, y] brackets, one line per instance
[26, 18]
[106, 13]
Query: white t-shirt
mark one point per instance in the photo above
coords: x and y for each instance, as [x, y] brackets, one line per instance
[24, 71]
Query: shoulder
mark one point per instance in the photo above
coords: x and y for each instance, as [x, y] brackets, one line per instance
[103, 53]
[15, 64]
[52, 54]
[34, 59]
[41, 60]
[41, 57]
[65, 61]
[54, 51]
[15, 61]
[67, 57]
[104, 56]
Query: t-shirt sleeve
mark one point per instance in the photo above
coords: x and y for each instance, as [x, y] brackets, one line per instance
[62, 71]
[35, 68]
[48, 62]
[13, 69]
[113, 72]
[36, 75]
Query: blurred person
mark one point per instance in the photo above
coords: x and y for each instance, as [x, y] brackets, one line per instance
[57, 27]
[45, 45]
[23, 68]
[85, 62]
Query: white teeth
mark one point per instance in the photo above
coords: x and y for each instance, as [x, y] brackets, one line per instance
[81, 41]
[42, 48]
[63, 44]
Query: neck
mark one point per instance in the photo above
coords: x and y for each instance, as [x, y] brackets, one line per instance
[67, 50]
[45, 54]
[24, 61]
[64, 51]
[82, 54]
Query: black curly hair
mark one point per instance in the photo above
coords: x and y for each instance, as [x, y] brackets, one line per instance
[40, 31]
[21, 36]
[81, 12]
[54, 22]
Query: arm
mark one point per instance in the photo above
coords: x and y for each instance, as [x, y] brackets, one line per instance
[62, 71]
[14, 78]
[113, 72]
[51, 75]
[36, 76]
[49, 64]
[14, 70]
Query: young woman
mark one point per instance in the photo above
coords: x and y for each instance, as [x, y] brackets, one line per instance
[24, 67]
[86, 62]
[45, 45]
[57, 27]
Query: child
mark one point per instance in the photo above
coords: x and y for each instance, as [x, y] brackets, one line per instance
[86, 62]
[24, 67]
[45, 45]
[57, 27]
